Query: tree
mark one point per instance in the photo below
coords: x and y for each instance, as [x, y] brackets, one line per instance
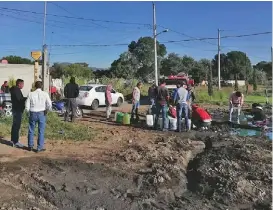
[17, 60]
[172, 64]
[125, 66]
[210, 87]
[143, 52]
[254, 79]
[188, 64]
[225, 74]
[68, 70]
[239, 65]
[265, 67]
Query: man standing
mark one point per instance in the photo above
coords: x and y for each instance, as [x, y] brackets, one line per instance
[162, 96]
[37, 104]
[5, 87]
[136, 102]
[182, 106]
[18, 106]
[71, 92]
[108, 101]
[236, 101]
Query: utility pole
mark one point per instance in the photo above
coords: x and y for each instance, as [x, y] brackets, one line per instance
[44, 36]
[219, 63]
[155, 47]
[45, 72]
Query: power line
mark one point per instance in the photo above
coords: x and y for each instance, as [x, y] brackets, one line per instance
[223, 37]
[88, 45]
[183, 34]
[79, 18]
[57, 5]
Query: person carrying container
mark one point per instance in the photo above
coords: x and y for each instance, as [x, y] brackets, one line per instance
[162, 97]
[200, 117]
[236, 101]
[136, 103]
[181, 101]
[108, 101]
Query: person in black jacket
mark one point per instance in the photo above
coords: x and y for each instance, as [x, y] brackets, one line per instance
[71, 92]
[18, 106]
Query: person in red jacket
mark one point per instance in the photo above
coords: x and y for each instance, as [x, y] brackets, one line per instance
[200, 117]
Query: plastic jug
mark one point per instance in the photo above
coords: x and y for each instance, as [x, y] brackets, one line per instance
[119, 117]
[160, 123]
[126, 119]
[149, 120]
[173, 123]
[184, 124]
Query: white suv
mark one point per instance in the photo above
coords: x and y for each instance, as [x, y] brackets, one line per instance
[93, 95]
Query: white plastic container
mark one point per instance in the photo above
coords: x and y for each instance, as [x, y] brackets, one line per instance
[173, 123]
[183, 123]
[149, 120]
[160, 122]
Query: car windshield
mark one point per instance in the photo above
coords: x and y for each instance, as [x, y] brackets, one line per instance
[85, 88]
[174, 81]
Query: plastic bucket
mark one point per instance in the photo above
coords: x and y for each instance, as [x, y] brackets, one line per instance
[126, 119]
[150, 120]
[119, 118]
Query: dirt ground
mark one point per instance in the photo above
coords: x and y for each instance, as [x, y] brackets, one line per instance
[135, 168]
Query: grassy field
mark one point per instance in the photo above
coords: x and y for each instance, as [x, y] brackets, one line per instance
[221, 97]
[55, 129]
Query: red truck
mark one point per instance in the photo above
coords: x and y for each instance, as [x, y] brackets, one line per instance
[171, 81]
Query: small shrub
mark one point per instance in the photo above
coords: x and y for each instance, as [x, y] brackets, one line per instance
[12, 82]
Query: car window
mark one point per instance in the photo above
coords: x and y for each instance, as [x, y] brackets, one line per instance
[113, 91]
[85, 88]
[100, 89]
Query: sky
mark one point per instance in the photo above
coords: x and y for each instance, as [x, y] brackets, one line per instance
[22, 32]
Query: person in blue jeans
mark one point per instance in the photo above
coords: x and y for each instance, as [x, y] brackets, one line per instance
[181, 101]
[37, 104]
[162, 97]
[18, 106]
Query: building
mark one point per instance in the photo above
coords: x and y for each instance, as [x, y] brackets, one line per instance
[19, 71]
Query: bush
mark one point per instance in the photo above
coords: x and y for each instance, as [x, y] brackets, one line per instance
[12, 82]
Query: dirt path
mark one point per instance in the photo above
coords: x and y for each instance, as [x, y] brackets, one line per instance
[133, 168]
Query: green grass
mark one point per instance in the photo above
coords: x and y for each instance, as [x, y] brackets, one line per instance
[222, 97]
[71, 131]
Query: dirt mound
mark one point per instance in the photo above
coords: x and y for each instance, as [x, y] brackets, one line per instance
[237, 175]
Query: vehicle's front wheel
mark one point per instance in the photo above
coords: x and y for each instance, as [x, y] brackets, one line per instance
[95, 104]
[7, 108]
[120, 102]
[79, 112]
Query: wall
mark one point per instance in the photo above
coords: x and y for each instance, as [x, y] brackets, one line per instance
[18, 71]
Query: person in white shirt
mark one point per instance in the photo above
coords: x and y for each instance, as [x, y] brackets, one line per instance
[37, 104]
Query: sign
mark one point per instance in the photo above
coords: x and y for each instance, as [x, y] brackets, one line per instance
[36, 55]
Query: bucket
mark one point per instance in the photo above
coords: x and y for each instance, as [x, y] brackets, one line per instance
[126, 119]
[184, 124]
[173, 123]
[119, 118]
[160, 122]
[149, 120]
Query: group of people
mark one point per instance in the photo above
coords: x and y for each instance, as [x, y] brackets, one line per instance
[160, 100]
[37, 104]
